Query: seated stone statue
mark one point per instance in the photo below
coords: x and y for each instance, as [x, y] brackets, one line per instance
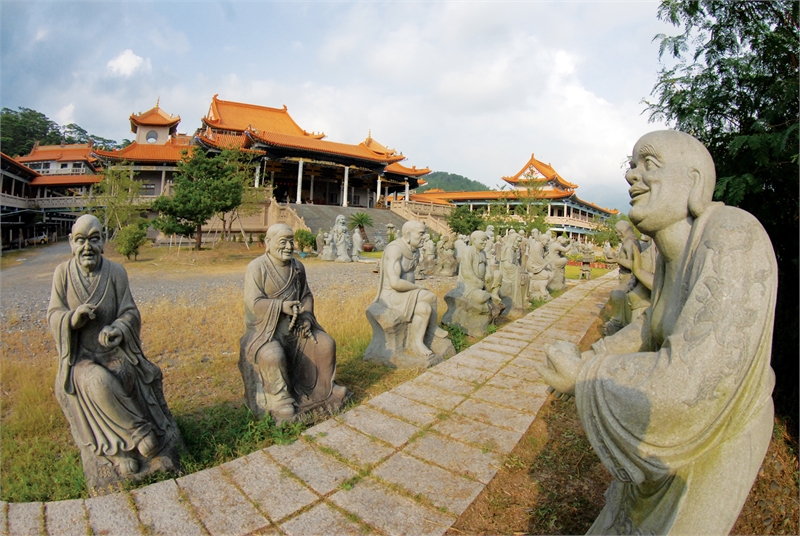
[620, 314]
[556, 257]
[110, 393]
[403, 316]
[470, 305]
[678, 404]
[287, 360]
[380, 243]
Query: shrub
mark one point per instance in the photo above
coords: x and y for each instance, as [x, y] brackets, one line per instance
[130, 238]
[303, 239]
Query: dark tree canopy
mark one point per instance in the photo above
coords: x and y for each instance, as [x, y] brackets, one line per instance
[735, 88]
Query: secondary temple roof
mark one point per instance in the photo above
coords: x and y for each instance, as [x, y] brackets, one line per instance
[536, 171]
[80, 152]
[238, 117]
[154, 117]
[171, 151]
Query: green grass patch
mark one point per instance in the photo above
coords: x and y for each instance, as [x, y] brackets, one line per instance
[574, 272]
[372, 254]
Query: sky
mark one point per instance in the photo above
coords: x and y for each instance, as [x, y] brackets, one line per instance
[470, 87]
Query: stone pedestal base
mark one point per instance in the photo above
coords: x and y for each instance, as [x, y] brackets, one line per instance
[470, 316]
[389, 344]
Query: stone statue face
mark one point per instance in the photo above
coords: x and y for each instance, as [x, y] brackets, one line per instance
[341, 220]
[86, 241]
[415, 236]
[281, 246]
[479, 241]
[660, 182]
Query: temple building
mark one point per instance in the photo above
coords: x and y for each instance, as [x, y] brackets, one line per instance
[153, 156]
[302, 166]
[535, 183]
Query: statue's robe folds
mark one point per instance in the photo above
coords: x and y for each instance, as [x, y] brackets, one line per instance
[111, 396]
[302, 366]
[472, 276]
[678, 404]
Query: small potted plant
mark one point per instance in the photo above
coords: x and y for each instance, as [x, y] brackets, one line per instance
[304, 240]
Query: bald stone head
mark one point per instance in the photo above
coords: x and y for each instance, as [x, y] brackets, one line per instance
[280, 243]
[672, 178]
[478, 239]
[86, 241]
[413, 233]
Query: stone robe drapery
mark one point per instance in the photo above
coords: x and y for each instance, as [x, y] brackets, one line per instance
[678, 404]
[310, 363]
[107, 394]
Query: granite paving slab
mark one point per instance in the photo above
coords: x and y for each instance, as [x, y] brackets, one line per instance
[405, 462]
[273, 490]
[163, 511]
[321, 472]
[443, 488]
[221, 507]
[391, 512]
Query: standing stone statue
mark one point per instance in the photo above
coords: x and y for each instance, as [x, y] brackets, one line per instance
[446, 264]
[379, 242]
[287, 360]
[678, 404]
[403, 315]
[341, 240]
[110, 393]
[471, 305]
[620, 315]
[512, 290]
[328, 254]
[320, 241]
[357, 245]
[428, 253]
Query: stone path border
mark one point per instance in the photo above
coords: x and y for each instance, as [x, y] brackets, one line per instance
[408, 461]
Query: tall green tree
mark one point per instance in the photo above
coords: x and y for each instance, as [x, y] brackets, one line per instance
[115, 200]
[734, 86]
[462, 221]
[19, 130]
[205, 185]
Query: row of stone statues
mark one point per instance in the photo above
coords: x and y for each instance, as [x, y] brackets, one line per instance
[677, 404]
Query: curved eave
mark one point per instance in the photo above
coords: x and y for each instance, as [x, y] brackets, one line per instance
[340, 152]
[397, 168]
[172, 154]
[608, 211]
[20, 168]
[240, 126]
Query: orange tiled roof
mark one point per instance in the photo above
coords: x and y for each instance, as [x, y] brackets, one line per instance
[66, 180]
[598, 207]
[155, 117]
[80, 152]
[210, 138]
[237, 116]
[400, 169]
[21, 167]
[141, 152]
[445, 198]
[360, 151]
[539, 172]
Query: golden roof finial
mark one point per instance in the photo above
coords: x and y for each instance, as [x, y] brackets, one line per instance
[369, 134]
[158, 100]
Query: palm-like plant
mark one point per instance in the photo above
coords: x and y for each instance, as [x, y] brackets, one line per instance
[360, 220]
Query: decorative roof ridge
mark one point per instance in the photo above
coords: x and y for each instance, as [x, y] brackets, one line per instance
[19, 165]
[214, 110]
[547, 171]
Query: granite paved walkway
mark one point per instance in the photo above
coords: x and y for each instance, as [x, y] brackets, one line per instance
[408, 461]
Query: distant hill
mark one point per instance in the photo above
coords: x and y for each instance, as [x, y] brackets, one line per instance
[450, 182]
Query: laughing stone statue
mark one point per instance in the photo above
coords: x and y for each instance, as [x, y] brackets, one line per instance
[678, 403]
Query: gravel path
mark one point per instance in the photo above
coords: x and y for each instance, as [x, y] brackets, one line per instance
[26, 285]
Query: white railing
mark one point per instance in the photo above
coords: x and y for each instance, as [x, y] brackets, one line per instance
[574, 222]
[422, 209]
[13, 201]
[402, 209]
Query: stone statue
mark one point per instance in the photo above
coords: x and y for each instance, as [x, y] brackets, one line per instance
[620, 315]
[490, 241]
[540, 273]
[109, 391]
[609, 254]
[286, 359]
[320, 241]
[403, 315]
[446, 264]
[428, 253]
[471, 305]
[327, 249]
[556, 258]
[644, 266]
[357, 244]
[678, 404]
[379, 242]
[513, 289]
[341, 240]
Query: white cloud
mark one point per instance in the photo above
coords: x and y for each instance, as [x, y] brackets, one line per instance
[41, 34]
[128, 63]
[64, 115]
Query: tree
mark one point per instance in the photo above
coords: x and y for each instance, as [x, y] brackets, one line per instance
[130, 238]
[451, 182]
[360, 220]
[20, 130]
[462, 221]
[205, 185]
[604, 229]
[735, 88]
[115, 200]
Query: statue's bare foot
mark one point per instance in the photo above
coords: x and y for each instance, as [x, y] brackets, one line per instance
[125, 466]
[421, 349]
[283, 413]
[148, 446]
